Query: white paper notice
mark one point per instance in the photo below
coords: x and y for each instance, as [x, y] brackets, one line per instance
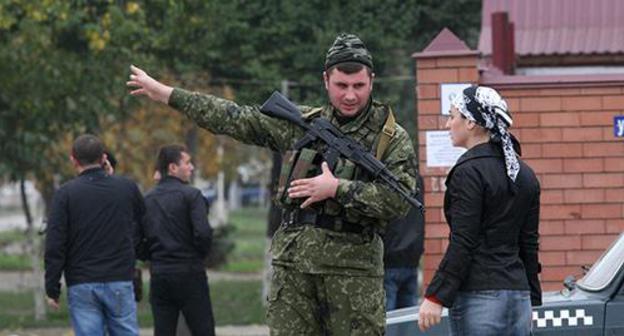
[440, 150]
[447, 92]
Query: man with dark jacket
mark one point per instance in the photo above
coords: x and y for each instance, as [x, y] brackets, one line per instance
[91, 240]
[177, 238]
[403, 246]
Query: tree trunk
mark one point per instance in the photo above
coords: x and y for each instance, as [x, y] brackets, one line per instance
[37, 285]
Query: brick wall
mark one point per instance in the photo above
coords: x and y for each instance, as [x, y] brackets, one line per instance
[567, 138]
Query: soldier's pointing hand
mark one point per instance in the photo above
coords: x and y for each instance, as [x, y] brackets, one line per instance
[147, 86]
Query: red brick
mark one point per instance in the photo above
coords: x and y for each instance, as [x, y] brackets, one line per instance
[582, 134]
[530, 151]
[457, 62]
[470, 75]
[582, 257]
[592, 118]
[560, 243]
[429, 106]
[428, 91]
[608, 180]
[519, 93]
[523, 119]
[435, 200]
[614, 164]
[614, 195]
[560, 119]
[576, 226]
[437, 231]
[433, 246]
[583, 196]
[552, 258]
[608, 149]
[546, 165]
[564, 211]
[432, 261]
[424, 63]
[551, 227]
[560, 92]
[583, 165]
[541, 135]
[563, 181]
[558, 273]
[432, 215]
[445, 244]
[541, 104]
[600, 91]
[548, 286]
[601, 210]
[513, 104]
[551, 197]
[427, 277]
[444, 75]
[597, 242]
[581, 103]
[613, 103]
[428, 122]
[553, 150]
[615, 225]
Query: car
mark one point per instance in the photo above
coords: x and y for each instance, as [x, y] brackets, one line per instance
[594, 305]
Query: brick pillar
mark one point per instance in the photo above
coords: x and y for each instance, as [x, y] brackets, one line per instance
[445, 60]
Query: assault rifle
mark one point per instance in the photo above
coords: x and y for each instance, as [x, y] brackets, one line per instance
[337, 143]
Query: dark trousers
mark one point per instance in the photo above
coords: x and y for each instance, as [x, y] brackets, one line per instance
[188, 293]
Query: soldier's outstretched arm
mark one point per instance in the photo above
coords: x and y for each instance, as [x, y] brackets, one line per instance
[218, 115]
[144, 85]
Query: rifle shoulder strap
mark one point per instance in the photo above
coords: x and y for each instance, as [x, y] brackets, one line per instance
[312, 113]
[387, 132]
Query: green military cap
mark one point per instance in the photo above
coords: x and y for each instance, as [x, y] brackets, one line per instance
[348, 48]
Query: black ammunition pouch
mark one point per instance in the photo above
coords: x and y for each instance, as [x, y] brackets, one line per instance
[298, 217]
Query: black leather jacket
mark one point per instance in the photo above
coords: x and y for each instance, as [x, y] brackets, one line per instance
[176, 231]
[493, 228]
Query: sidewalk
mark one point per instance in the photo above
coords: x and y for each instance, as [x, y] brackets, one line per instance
[252, 330]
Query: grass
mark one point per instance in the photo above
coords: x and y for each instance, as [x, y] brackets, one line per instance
[249, 237]
[235, 302]
[250, 240]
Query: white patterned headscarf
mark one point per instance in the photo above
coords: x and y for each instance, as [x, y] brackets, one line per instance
[485, 107]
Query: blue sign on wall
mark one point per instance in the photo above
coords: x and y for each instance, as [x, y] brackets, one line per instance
[618, 126]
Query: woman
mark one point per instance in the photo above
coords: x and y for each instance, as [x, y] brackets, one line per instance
[489, 274]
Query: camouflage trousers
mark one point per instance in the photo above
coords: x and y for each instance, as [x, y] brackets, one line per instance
[320, 304]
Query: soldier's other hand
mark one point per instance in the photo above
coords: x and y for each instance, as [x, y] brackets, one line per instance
[429, 314]
[144, 85]
[316, 189]
[53, 303]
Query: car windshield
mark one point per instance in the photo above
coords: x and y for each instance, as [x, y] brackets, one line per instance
[604, 270]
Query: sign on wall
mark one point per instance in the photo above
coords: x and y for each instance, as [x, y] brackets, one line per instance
[448, 91]
[440, 150]
[618, 126]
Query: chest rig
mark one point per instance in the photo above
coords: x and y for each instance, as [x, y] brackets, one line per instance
[374, 133]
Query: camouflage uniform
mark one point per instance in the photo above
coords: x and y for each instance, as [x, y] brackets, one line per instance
[326, 282]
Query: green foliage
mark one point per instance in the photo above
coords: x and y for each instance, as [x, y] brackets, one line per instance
[64, 63]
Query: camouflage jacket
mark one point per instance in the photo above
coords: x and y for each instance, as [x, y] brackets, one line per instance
[309, 249]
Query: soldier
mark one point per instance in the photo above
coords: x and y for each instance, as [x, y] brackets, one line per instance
[327, 253]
